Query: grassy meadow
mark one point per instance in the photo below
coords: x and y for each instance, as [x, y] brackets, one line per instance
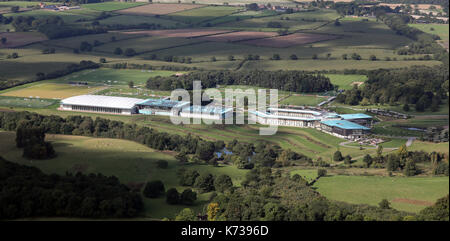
[131, 162]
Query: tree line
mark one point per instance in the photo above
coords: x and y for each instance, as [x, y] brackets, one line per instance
[296, 81]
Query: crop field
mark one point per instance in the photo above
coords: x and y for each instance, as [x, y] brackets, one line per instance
[50, 91]
[70, 16]
[159, 9]
[290, 40]
[111, 6]
[198, 15]
[136, 20]
[15, 40]
[238, 36]
[143, 45]
[132, 163]
[294, 22]
[180, 33]
[239, 16]
[410, 194]
[312, 65]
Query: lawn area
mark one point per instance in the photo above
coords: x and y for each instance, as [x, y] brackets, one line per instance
[50, 90]
[346, 82]
[131, 162]
[111, 6]
[410, 194]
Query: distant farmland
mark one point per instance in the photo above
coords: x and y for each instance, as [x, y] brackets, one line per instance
[290, 40]
[158, 9]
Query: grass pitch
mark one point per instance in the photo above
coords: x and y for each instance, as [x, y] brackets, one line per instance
[50, 91]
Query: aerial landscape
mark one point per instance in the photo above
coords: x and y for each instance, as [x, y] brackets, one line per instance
[357, 98]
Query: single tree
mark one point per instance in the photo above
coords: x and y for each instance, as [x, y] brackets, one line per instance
[172, 196]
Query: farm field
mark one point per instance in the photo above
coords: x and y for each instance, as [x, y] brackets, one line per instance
[20, 39]
[132, 163]
[294, 22]
[50, 91]
[71, 16]
[136, 20]
[111, 6]
[147, 44]
[238, 36]
[289, 40]
[199, 15]
[159, 9]
[410, 194]
[312, 65]
[113, 76]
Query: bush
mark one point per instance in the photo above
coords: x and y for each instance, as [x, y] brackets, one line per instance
[154, 189]
[223, 183]
[172, 196]
[321, 172]
[188, 197]
[205, 183]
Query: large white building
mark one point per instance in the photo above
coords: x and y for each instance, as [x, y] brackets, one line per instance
[129, 106]
[101, 104]
[350, 126]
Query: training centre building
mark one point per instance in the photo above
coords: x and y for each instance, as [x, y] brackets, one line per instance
[130, 106]
[349, 126]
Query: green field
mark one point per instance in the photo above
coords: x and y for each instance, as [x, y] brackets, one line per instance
[50, 91]
[112, 6]
[406, 194]
[294, 21]
[198, 15]
[439, 29]
[113, 76]
[303, 100]
[129, 161]
[346, 82]
[25, 102]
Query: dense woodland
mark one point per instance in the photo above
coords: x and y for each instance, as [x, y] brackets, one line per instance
[296, 81]
[423, 87]
[27, 192]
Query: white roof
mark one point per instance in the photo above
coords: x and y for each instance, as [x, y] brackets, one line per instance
[296, 111]
[102, 101]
